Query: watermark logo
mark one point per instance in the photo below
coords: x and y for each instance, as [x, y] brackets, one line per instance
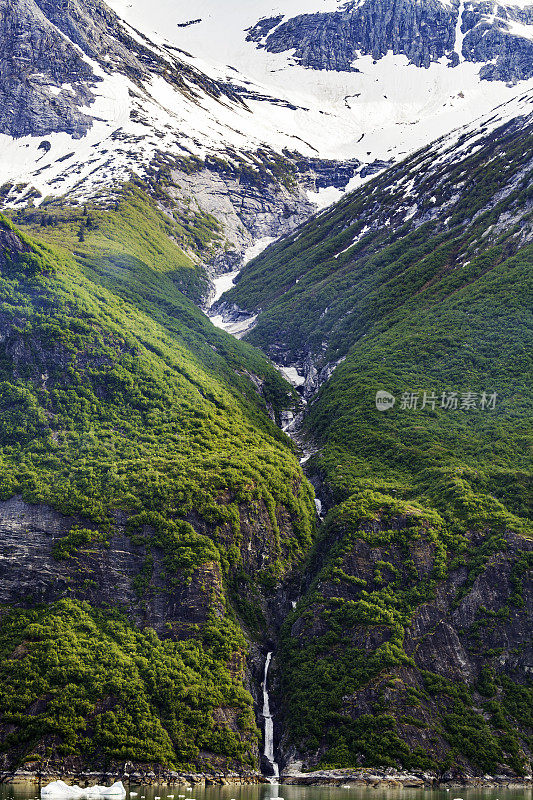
[384, 401]
[430, 401]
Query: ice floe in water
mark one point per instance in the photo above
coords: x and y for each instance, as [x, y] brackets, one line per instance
[59, 790]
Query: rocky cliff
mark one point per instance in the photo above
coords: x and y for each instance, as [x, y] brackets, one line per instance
[398, 656]
[498, 37]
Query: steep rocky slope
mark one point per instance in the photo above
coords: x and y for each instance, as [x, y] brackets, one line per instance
[411, 644]
[148, 504]
[321, 288]
[409, 649]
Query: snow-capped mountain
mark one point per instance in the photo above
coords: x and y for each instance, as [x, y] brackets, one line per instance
[92, 92]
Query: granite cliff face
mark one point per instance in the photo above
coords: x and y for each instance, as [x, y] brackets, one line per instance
[36, 62]
[257, 204]
[55, 55]
[439, 669]
[424, 32]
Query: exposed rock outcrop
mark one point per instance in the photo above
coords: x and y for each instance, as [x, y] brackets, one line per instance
[470, 635]
[424, 32]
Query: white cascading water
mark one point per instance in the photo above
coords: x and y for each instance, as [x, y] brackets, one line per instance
[269, 722]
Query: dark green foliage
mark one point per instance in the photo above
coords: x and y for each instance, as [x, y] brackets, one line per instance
[133, 415]
[76, 539]
[90, 685]
[322, 669]
[119, 399]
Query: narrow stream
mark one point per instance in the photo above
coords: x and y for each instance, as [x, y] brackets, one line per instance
[238, 328]
[225, 282]
[269, 724]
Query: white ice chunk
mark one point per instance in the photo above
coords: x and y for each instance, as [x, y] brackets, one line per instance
[59, 790]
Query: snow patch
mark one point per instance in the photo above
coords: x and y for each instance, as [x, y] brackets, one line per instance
[359, 236]
[293, 376]
[223, 284]
[459, 35]
[256, 249]
[237, 329]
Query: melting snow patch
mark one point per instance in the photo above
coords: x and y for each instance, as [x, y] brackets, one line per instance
[257, 248]
[325, 197]
[293, 376]
[223, 284]
[354, 241]
[237, 329]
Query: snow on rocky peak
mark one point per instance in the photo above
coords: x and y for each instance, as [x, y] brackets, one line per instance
[233, 76]
[383, 110]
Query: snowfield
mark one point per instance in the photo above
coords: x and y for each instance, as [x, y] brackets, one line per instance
[387, 110]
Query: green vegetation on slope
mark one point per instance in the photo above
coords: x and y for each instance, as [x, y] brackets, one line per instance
[119, 399]
[359, 684]
[470, 464]
[445, 306]
[359, 261]
[103, 691]
[422, 498]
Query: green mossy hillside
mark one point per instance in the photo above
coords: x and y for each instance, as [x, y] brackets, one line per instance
[418, 284]
[132, 234]
[471, 464]
[114, 410]
[102, 692]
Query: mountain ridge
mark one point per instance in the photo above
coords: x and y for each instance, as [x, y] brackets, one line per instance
[136, 96]
[160, 534]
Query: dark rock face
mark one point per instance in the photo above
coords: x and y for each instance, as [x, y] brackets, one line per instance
[35, 62]
[263, 27]
[494, 41]
[330, 173]
[464, 629]
[10, 243]
[45, 80]
[29, 573]
[102, 575]
[424, 32]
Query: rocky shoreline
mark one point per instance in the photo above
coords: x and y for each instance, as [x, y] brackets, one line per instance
[135, 778]
[390, 778]
[361, 778]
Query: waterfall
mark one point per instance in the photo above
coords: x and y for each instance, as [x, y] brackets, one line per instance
[269, 722]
